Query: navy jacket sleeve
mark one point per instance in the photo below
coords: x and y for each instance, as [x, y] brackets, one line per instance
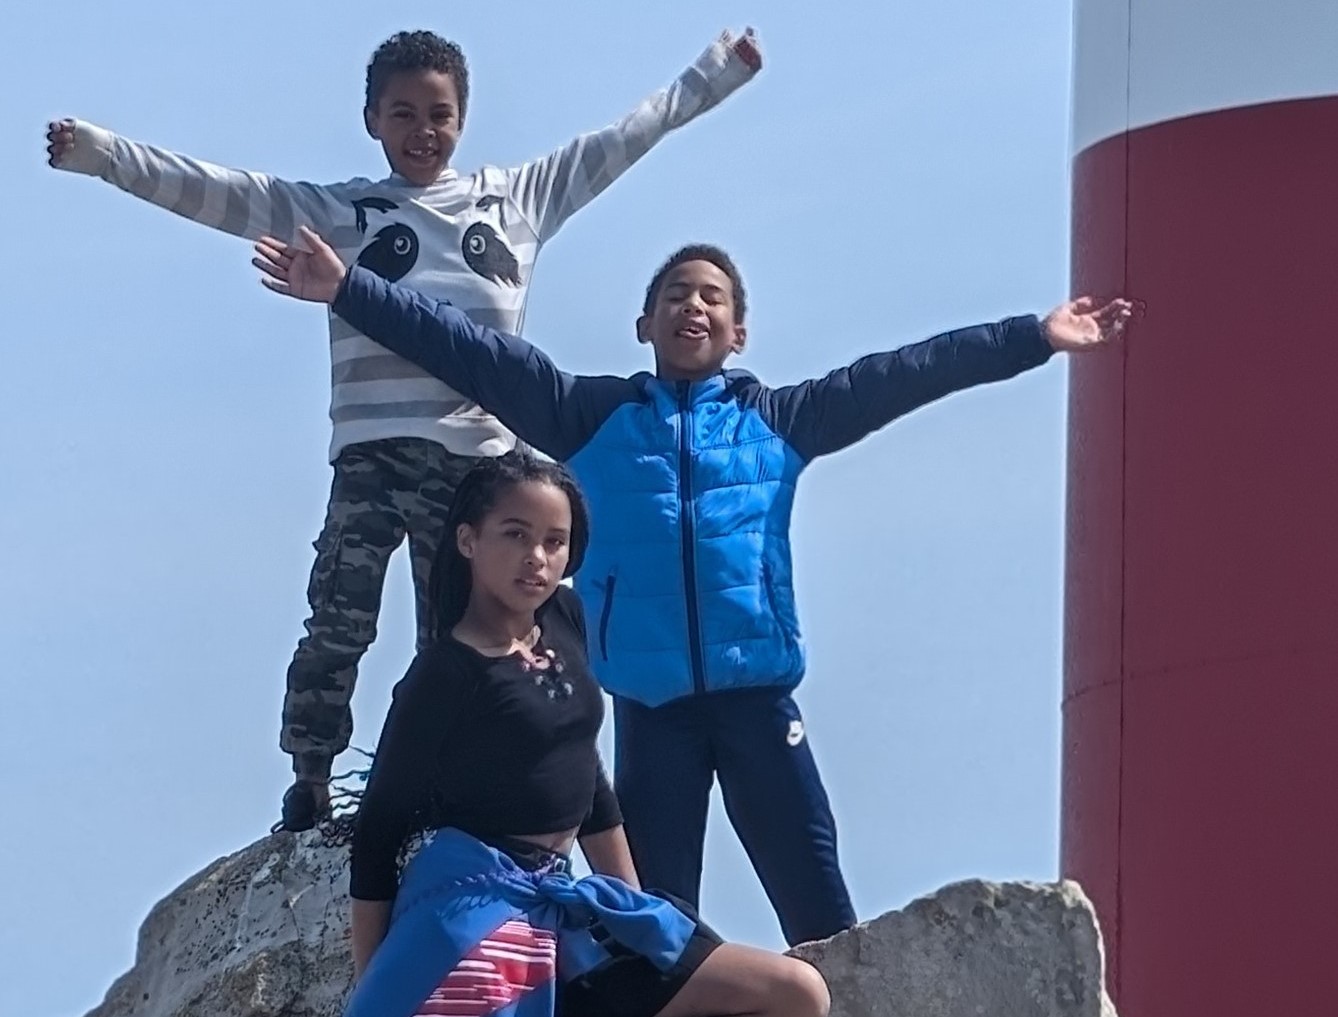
[554, 411]
[827, 414]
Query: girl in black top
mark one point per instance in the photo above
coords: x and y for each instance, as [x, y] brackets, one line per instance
[490, 748]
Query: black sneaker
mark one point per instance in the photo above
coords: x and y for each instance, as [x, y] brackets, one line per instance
[300, 811]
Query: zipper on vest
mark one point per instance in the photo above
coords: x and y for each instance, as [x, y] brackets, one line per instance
[687, 522]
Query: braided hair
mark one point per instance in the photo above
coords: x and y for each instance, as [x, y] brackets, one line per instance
[451, 580]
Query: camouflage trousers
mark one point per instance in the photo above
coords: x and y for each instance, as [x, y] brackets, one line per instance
[382, 491]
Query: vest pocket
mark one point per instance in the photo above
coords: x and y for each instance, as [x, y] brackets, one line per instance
[770, 586]
[784, 622]
[604, 614]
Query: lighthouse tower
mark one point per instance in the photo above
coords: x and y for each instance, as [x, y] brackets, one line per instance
[1201, 632]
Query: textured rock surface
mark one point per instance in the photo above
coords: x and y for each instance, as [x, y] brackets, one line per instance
[972, 949]
[263, 933]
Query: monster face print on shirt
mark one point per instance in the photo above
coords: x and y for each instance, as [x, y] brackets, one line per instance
[484, 250]
[393, 251]
[394, 248]
[487, 254]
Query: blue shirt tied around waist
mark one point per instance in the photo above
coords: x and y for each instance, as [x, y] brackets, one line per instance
[457, 890]
[688, 580]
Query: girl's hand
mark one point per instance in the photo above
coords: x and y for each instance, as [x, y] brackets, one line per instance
[314, 274]
[1084, 324]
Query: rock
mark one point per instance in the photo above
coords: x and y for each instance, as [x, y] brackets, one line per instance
[972, 949]
[264, 933]
[261, 933]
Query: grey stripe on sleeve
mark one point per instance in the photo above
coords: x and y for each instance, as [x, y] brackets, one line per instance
[281, 223]
[236, 211]
[146, 184]
[345, 238]
[383, 368]
[192, 194]
[430, 409]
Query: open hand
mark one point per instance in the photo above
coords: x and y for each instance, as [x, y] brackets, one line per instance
[313, 274]
[59, 140]
[747, 49]
[1086, 324]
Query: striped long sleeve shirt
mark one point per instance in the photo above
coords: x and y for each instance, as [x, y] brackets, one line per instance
[470, 239]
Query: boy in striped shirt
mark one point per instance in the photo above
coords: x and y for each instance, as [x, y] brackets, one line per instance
[401, 438]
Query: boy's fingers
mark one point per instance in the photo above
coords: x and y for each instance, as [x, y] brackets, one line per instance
[1112, 325]
[272, 250]
[276, 286]
[1116, 310]
[269, 268]
[314, 242]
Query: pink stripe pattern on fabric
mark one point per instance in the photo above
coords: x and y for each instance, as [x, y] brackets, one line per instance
[511, 961]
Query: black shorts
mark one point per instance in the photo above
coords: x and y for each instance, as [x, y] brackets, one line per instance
[627, 984]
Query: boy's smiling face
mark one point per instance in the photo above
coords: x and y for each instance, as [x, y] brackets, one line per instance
[692, 324]
[417, 121]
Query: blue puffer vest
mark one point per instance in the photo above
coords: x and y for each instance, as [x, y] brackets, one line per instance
[687, 584]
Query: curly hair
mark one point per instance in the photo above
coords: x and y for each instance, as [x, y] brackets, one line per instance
[417, 51]
[452, 579]
[699, 252]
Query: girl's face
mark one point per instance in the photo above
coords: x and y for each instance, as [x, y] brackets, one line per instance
[519, 551]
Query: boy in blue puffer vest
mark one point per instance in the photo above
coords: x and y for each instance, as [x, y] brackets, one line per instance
[690, 474]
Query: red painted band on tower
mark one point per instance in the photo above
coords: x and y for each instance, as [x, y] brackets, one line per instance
[1201, 646]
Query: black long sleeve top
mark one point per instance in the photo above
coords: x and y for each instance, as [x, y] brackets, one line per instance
[488, 745]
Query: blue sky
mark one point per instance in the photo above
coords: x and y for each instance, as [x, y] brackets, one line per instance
[896, 170]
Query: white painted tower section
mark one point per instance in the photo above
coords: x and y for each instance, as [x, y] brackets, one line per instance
[1143, 62]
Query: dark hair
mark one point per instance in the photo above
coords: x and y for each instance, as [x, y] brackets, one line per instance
[699, 252]
[417, 51]
[451, 580]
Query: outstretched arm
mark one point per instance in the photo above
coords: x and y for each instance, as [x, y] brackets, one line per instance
[554, 411]
[244, 204]
[827, 414]
[550, 189]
